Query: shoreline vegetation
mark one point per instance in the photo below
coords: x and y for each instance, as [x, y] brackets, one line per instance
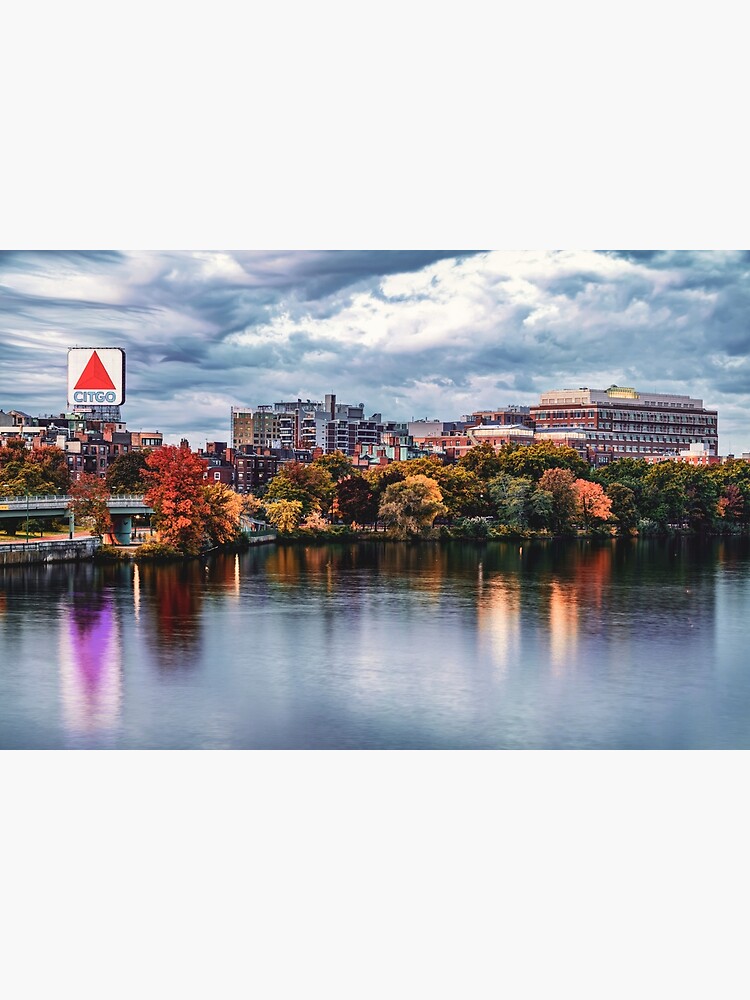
[542, 491]
[342, 534]
[518, 493]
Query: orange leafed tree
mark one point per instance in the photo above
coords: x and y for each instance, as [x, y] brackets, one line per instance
[176, 491]
[225, 510]
[592, 503]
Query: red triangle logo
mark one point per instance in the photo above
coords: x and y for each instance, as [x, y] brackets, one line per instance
[94, 375]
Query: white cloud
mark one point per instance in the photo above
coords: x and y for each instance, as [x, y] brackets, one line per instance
[203, 330]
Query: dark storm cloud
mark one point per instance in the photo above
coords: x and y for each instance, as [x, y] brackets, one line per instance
[404, 331]
[641, 256]
[36, 308]
[326, 276]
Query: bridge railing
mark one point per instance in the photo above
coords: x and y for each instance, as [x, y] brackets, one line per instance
[60, 500]
[57, 497]
[34, 503]
[125, 500]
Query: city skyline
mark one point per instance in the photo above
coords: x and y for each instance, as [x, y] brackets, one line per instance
[408, 333]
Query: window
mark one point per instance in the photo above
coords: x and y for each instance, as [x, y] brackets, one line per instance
[217, 475]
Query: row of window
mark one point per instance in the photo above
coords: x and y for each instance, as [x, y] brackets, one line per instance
[607, 414]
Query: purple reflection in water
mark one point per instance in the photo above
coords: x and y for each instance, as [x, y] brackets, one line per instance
[91, 669]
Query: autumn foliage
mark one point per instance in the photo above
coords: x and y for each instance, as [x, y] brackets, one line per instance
[89, 496]
[311, 485]
[225, 507]
[177, 492]
[284, 515]
[35, 471]
[592, 503]
[409, 508]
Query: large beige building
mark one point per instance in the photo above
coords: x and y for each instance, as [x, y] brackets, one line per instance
[619, 422]
[262, 427]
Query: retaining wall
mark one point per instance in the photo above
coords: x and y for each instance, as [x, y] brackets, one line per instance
[258, 538]
[43, 552]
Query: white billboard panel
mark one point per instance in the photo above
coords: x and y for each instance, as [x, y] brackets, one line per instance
[96, 376]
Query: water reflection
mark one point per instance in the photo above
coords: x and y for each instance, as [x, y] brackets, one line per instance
[174, 596]
[90, 664]
[612, 644]
[499, 619]
[563, 626]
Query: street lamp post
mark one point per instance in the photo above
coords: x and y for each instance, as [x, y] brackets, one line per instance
[27, 515]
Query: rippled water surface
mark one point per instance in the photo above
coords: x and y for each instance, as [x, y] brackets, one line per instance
[559, 645]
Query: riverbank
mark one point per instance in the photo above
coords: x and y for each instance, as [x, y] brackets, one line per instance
[155, 551]
[443, 533]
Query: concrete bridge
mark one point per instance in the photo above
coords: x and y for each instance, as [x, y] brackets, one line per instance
[121, 508]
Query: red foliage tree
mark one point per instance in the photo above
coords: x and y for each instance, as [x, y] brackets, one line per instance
[355, 501]
[592, 503]
[176, 491]
[731, 503]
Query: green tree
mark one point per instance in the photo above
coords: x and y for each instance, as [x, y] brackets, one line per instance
[734, 502]
[559, 483]
[409, 508]
[125, 474]
[311, 485]
[508, 495]
[630, 472]
[540, 507]
[482, 460]
[464, 493]
[624, 508]
[337, 464]
[520, 504]
[381, 477]
[702, 494]
[532, 461]
[36, 472]
[664, 499]
[515, 508]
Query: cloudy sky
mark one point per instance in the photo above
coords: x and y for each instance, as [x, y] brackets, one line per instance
[409, 333]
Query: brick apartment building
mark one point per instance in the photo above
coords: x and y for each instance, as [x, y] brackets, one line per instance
[619, 422]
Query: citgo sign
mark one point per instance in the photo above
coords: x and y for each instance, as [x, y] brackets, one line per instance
[96, 376]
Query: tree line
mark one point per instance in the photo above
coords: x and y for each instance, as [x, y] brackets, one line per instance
[190, 514]
[536, 489]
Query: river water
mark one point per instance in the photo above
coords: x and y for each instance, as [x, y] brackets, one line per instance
[622, 644]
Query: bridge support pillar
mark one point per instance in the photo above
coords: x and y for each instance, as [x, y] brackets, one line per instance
[71, 524]
[123, 525]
